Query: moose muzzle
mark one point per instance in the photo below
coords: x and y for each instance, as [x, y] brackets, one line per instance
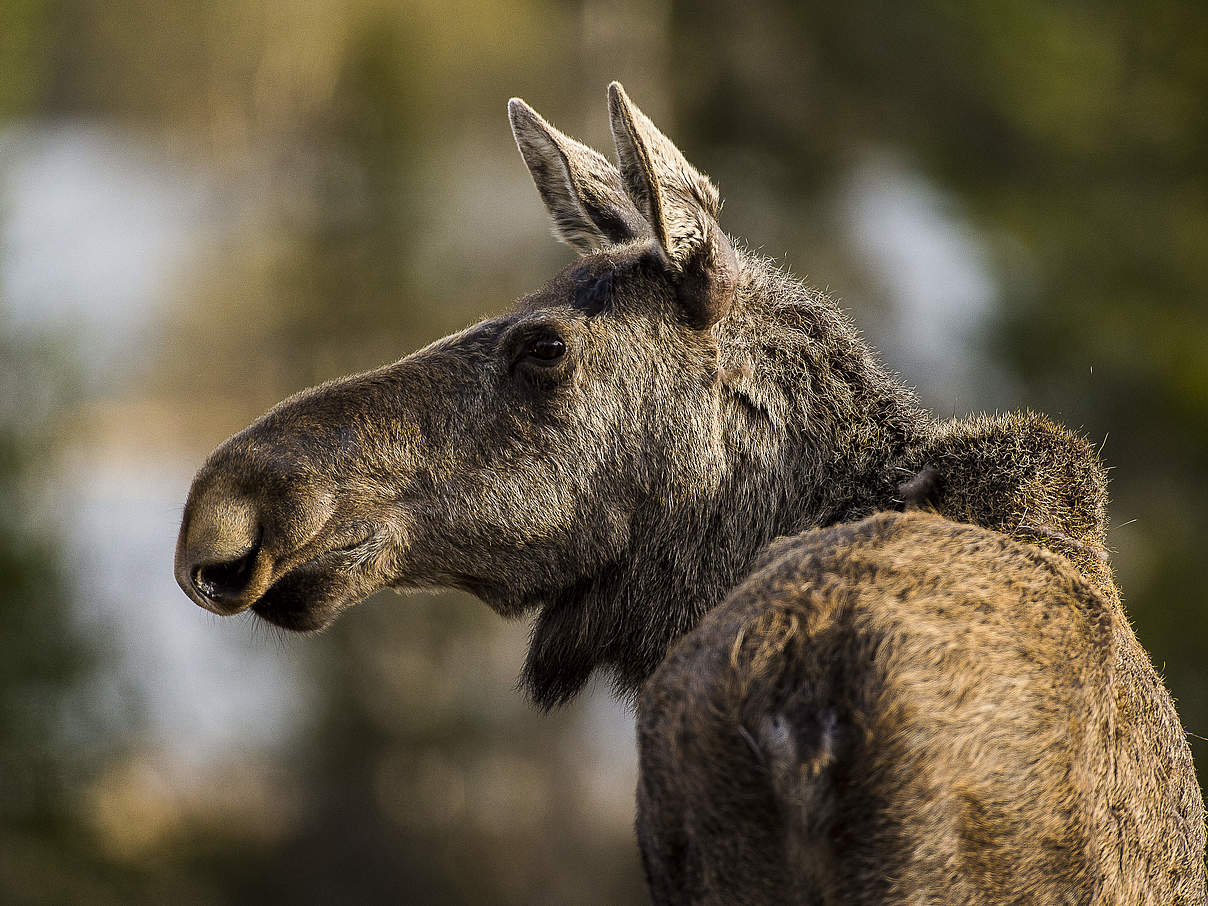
[221, 561]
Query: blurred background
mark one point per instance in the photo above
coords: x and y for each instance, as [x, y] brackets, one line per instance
[205, 206]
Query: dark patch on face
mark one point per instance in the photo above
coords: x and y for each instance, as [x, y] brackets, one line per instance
[592, 291]
[594, 295]
[595, 280]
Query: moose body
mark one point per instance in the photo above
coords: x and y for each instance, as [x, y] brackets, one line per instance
[909, 710]
[669, 448]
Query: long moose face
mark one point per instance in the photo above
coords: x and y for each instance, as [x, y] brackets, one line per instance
[493, 461]
[509, 459]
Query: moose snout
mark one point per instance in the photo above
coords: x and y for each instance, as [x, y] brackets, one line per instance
[221, 562]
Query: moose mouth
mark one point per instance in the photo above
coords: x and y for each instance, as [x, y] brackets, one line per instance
[309, 596]
[305, 599]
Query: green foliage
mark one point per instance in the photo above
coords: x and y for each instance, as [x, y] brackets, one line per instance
[25, 27]
[48, 748]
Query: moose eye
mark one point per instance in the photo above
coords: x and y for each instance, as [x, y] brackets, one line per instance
[546, 349]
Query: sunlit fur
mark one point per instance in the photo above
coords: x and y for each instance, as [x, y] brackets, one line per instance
[911, 710]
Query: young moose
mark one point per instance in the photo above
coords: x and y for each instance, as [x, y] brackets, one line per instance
[880, 658]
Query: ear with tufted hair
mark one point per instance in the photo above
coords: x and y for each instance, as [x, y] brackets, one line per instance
[681, 206]
[582, 190]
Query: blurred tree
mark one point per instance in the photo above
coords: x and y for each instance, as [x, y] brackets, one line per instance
[24, 27]
[51, 738]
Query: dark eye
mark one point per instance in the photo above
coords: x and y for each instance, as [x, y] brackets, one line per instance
[546, 349]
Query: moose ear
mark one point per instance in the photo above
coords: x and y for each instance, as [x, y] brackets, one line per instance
[582, 191]
[681, 206]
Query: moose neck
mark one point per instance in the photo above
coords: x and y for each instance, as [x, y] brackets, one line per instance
[811, 428]
[845, 421]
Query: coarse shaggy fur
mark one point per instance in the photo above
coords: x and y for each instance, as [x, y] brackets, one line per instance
[909, 710]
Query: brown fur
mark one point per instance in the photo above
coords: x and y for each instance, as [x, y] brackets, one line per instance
[908, 710]
[624, 448]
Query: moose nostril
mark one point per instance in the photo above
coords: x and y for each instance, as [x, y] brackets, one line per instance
[226, 581]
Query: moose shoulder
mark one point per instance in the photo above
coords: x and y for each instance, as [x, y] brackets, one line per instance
[906, 709]
[645, 438]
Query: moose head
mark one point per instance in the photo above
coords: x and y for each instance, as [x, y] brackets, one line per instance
[611, 454]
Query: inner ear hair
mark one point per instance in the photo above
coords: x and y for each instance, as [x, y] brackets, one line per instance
[637, 165]
[582, 191]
